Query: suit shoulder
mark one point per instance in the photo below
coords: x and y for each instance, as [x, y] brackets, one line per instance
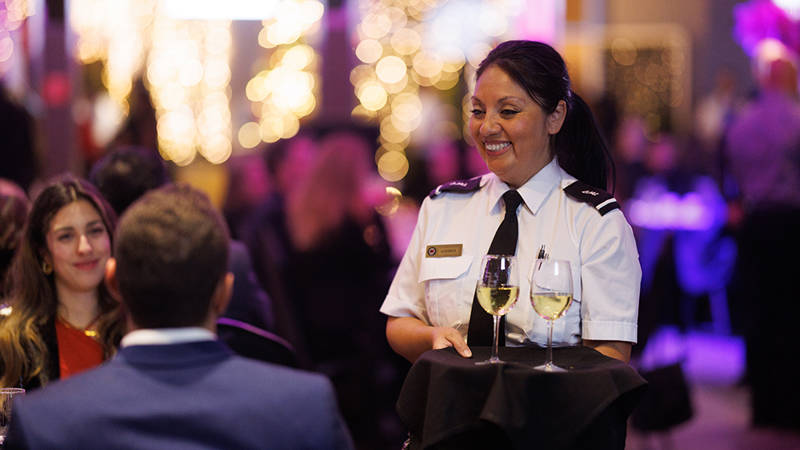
[468, 186]
[599, 199]
[277, 371]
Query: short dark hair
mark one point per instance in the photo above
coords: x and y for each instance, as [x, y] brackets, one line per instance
[126, 173]
[541, 71]
[171, 252]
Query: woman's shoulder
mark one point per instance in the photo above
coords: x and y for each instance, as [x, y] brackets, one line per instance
[468, 187]
[602, 201]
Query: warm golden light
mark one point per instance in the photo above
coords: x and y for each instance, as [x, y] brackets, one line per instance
[428, 64]
[249, 135]
[406, 41]
[390, 69]
[286, 89]
[369, 51]
[372, 95]
[393, 166]
[376, 25]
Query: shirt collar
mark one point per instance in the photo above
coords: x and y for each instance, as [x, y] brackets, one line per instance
[533, 192]
[166, 336]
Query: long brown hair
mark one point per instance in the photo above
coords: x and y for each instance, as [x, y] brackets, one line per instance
[23, 352]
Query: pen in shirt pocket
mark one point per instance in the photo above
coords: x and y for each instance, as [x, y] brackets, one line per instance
[543, 254]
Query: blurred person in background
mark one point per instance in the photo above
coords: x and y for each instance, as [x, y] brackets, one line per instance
[62, 319]
[679, 216]
[629, 151]
[763, 151]
[126, 173]
[14, 207]
[249, 185]
[713, 116]
[17, 150]
[339, 269]
[266, 235]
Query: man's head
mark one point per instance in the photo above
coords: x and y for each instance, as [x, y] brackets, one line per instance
[171, 259]
[126, 173]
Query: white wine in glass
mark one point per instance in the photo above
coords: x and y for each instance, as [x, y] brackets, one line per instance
[497, 300]
[497, 292]
[551, 296]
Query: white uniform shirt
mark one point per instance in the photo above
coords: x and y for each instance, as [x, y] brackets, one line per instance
[601, 250]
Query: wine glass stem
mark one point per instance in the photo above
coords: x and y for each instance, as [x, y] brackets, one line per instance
[549, 362]
[496, 320]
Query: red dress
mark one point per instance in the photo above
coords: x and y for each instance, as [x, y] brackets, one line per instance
[77, 350]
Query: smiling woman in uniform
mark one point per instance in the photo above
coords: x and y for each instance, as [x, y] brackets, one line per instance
[538, 138]
[60, 319]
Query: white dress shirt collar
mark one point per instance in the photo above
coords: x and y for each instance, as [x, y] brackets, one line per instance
[166, 336]
[533, 192]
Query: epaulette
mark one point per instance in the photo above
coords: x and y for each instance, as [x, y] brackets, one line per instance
[461, 186]
[602, 201]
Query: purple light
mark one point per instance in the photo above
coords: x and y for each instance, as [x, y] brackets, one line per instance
[757, 20]
[671, 211]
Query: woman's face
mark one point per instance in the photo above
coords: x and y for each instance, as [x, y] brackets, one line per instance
[78, 247]
[510, 130]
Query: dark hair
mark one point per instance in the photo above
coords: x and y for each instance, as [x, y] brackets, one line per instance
[13, 211]
[540, 70]
[126, 173]
[171, 252]
[32, 292]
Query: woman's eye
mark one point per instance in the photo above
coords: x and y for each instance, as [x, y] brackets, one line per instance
[509, 112]
[64, 237]
[476, 112]
[97, 231]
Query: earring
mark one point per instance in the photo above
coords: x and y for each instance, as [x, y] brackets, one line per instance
[47, 268]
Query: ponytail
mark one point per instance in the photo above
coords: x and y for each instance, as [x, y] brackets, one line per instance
[581, 149]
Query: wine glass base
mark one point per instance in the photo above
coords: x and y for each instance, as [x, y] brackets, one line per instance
[550, 368]
[492, 360]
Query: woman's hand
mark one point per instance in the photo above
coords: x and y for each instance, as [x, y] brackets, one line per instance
[443, 337]
[410, 337]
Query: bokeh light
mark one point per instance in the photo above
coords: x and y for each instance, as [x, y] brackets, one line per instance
[409, 45]
[285, 91]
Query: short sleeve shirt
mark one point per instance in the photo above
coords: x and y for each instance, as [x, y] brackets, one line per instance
[600, 247]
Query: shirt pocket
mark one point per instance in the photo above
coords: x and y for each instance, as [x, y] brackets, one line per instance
[448, 291]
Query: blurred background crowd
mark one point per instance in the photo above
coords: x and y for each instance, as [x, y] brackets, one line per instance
[319, 127]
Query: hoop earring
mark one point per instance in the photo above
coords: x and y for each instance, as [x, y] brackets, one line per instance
[47, 268]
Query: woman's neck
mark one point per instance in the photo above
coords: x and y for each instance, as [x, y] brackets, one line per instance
[79, 309]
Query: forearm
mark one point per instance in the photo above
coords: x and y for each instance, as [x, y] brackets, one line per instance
[613, 349]
[409, 336]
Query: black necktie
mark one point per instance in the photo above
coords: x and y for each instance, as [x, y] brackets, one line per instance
[504, 243]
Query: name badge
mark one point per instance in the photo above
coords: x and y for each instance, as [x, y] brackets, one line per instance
[443, 250]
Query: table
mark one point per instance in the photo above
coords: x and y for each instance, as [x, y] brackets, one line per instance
[449, 402]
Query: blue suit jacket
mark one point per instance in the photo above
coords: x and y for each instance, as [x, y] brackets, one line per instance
[183, 396]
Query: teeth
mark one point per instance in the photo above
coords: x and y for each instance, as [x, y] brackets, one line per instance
[496, 147]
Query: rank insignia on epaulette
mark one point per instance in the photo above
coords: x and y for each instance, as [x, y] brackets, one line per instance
[459, 186]
[601, 200]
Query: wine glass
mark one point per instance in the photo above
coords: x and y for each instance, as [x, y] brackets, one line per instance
[497, 292]
[6, 394]
[551, 296]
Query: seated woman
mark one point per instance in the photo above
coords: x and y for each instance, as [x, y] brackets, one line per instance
[61, 319]
[549, 164]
